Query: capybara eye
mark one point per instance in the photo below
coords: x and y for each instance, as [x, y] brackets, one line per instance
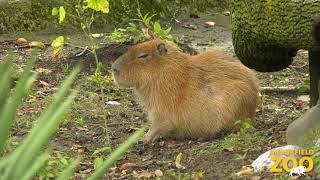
[143, 55]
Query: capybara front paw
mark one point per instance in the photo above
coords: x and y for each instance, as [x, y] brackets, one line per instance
[149, 137]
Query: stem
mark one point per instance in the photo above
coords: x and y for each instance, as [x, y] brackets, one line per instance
[105, 116]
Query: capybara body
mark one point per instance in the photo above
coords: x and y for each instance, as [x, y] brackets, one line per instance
[187, 96]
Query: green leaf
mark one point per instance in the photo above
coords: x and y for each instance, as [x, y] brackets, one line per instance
[57, 45]
[167, 31]
[97, 162]
[62, 14]
[68, 172]
[101, 150]
[98, 5]
[83, 26]
[38, 164]
[55, 11]
[157, 27]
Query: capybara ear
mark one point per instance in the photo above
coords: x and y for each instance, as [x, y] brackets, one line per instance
[316, 30]
[162, 49]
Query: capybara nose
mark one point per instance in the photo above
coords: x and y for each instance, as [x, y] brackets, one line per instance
[116, 72]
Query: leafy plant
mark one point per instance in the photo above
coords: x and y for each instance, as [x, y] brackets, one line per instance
[316, 159]
[305, 87]
[245, 126]
[26, 160]
[81, 10]
[53, 166]
[142, 29]
[240, 157]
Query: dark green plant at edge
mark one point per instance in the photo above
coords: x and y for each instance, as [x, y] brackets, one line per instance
[29, 157]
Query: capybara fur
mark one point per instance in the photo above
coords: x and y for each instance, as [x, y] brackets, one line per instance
[187, 96]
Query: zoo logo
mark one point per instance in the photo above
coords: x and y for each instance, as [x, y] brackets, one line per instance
[305, 153]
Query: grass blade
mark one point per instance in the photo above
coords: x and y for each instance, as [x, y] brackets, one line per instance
[9, 110]
[6, 71]
[33, 145]
[46, 125]
[117, 154]
[35, 166]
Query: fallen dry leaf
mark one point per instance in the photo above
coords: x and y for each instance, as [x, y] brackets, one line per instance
[114, 171]
[94, 98]
[228, 149]
[299, 104]
[178, 161]
[255, 178]
[198, 175]
[45, 84]
[128, 167]
[86, 171]
[145, 31]
[158, 173]
[43, 71]
[194, 15]
[36, 44]
[21, 41]
[135, 174]
[245, 171]
[145, 174]
[147, 157]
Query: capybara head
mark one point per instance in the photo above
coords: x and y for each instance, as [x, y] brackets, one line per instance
[142, 63]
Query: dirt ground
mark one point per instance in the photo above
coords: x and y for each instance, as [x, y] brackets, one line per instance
[86, 129]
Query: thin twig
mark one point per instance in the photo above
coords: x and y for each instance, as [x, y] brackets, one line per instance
[82, 52]
[279, 88]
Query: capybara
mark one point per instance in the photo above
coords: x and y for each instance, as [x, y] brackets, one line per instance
[187, 96]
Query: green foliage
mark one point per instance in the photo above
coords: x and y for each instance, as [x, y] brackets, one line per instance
[101, 150]
[36, 15]
[97, 5]
[57, 45]
[245, 126]
[316, 159]
[240, 157]
[119, 34]
[142, 29]
[97, 79]
[61, 12]
[97, 162]
[53, 166]
[305, 87]
[247, 139]
[28, 158]
[163, 33]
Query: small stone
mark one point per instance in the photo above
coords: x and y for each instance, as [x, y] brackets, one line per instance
[21, 41]
[226, 13]
[210, 23]
[113, 103]
[158, 173]
[304, 98]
